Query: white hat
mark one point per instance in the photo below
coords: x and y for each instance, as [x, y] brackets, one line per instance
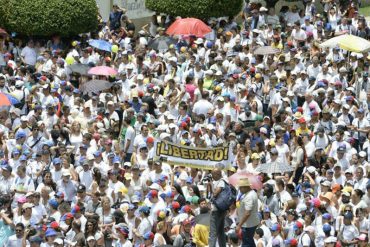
[311, 169]
[209, 72]
[88, 238]
[173, 59]
[263, 130]
[342, 69]
[59, 241]
[110, 103]
[24, 119]
[171, 117]
[172, 125]
[263, 9]
[362, 154]
[290, 93]
[19, 83]
[218, 72]
[140, 77]
[163, 136]
[66, 172]
[256, 31]
[129, 66]
[154, 186]
[326, 183]
[199, 41]
[210, 126]
[128, 164]
[162, 127]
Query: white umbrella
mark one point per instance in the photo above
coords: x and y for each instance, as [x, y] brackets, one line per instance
[332, 43]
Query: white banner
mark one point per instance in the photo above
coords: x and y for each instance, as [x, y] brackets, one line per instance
[202, 158]
[136, 9]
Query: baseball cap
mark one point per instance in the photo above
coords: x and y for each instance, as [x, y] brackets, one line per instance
[81, 188]
[152, 194]
[53, 203]
[148, 235]
[50, 232]
[59, 195]
[326, 227]
[144, 209]
[275, 227]
[297, 225]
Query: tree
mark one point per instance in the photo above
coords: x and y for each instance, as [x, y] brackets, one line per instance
[202, 9]
[45, 18]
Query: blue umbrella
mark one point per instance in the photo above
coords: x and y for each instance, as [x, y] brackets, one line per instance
[101, 44]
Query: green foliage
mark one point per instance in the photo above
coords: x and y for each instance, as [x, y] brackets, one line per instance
[48, 17]
[202, 9]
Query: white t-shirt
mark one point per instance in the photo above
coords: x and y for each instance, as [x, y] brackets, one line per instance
[130, 135]
[29, 55]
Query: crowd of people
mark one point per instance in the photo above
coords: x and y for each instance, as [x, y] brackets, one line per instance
[79, 169]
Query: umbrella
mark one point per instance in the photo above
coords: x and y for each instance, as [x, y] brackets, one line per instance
[266, 50]
[101, 44]
[274, 167]
[253, 179]
[354, 43]
[79, 68]
[102, 70]
[7, 100]
[332, 43]
[161, 43]
[95, 86]
[189, 26]
[3, 32]
[348, 42]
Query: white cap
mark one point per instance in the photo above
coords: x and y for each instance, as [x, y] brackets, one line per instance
[218, 72]
[162, 127]
[172, 125]
[173, 59]
[90, 238]
[154, 186]
[362, 154]
[140, 77]
[171, 117]
[209, 72]
[19, 83]
[66, 172]
[58, 241]
[199, 41]
[110, 103]
[210, 126]
[24, 119]
[163, 136]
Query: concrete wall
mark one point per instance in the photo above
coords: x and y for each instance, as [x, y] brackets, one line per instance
[136, 10]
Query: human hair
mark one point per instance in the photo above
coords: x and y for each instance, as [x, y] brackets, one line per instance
[259, 232]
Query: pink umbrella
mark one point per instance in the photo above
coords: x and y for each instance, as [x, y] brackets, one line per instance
[189, 26]
[255, 181]
[102, 70]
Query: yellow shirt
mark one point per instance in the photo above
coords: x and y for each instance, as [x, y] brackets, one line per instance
[300, 131]
[200, 235]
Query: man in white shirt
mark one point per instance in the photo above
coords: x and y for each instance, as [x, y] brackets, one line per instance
[203, 106]
[16, 239]
[29, 54]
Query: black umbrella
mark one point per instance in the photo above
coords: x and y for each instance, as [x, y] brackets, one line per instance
[95, 86]
[79, 68]
[161, 43]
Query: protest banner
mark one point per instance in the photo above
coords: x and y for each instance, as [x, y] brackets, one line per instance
[202, 158]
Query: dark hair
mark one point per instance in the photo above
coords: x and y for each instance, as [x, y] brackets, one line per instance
[178, 189]
[20, 224]
[196, 191]
[359, 192]
[259, 232]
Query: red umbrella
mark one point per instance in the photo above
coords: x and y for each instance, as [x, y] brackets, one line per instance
[102, 70]
[255, 181]
[189, 26]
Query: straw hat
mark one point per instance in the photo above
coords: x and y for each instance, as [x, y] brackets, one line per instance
[328, 196]
[244, 182]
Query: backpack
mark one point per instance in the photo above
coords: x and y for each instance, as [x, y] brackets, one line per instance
[312, 242]
[226, 197]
